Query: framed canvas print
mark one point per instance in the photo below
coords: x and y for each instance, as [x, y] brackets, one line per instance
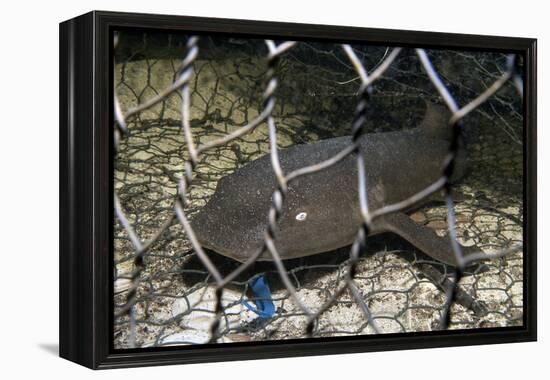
[238, 189]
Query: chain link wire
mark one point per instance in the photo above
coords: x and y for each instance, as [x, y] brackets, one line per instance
[182, 124]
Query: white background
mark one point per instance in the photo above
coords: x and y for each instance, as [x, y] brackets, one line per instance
[29, 188]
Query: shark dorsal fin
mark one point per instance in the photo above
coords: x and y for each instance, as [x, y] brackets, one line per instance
[435, 123]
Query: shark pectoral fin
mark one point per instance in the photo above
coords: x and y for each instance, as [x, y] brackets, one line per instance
[422, 237]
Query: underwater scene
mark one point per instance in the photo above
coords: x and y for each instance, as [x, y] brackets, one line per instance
[220, 238]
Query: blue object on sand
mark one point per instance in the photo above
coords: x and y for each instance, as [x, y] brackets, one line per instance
[262, 298]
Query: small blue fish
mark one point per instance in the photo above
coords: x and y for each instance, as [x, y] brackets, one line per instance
[262, 299]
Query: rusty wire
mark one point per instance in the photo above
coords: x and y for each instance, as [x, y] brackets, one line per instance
[367, 81]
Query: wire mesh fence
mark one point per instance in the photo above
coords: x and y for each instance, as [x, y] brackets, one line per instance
[190, 111]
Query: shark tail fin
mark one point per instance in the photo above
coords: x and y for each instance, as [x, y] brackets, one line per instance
[436, 121]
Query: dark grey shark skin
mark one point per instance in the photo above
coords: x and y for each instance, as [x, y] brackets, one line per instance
[398, 165]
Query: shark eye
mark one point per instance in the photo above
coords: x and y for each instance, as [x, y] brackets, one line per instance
[301, 216]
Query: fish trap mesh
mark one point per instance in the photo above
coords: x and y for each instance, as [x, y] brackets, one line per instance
[190, 111]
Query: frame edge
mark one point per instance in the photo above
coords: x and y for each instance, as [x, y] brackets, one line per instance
[76, 255]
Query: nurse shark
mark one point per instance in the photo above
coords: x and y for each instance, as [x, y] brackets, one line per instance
[321, 210]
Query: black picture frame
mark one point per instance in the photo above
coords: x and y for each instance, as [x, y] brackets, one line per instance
[86, 213]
